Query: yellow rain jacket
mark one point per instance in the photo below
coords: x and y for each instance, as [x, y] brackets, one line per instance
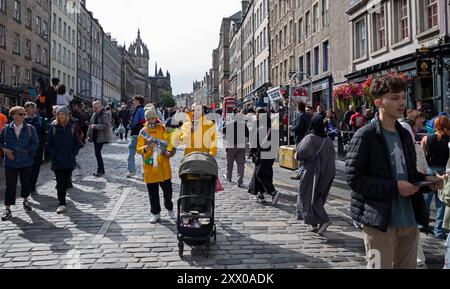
[202, 140]
[162, 172]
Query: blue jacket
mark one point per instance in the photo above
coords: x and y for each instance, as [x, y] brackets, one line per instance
[63, 146]
[138, 120]
[24, 148]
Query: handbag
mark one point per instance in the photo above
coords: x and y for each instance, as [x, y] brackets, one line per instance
[219, 186]
[444, 194]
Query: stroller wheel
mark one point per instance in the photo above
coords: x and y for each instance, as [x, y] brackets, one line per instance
[180, 249]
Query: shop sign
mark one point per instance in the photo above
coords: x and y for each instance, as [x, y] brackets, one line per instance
[424, 68]
[275, 94]
[320, 87]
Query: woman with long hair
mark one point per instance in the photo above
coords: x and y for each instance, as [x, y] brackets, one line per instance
[435, 147]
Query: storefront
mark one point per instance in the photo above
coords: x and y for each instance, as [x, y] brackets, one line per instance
[428, 73]
[9, 96]
[322, 92]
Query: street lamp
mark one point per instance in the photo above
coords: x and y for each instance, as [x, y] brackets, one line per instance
[291, 93]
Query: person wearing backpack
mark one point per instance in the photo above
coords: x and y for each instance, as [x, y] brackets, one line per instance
[316, 152]
[40, 125]
[19, 142]
[63, 144]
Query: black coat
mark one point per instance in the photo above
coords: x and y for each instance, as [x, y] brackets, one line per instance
[301, 127]
[369, 175]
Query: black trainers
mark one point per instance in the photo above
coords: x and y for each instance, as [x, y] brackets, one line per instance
[27, 206]
[260, 198]
[6, 215]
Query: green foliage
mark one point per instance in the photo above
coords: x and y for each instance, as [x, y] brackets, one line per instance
[166, 100]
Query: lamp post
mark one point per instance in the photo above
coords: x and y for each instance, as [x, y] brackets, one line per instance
[291, 93]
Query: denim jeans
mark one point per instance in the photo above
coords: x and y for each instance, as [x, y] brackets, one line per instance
[132, 154]
[440, 206]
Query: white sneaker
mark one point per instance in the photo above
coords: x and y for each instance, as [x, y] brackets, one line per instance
[323, 228]
[60, 210]
[171, 214]
[130, 175]
[275, 197]
[155, 219]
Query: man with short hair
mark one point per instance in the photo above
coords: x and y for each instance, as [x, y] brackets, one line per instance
[358, 120]
[381, 170]
[345, 126]
[137, 123]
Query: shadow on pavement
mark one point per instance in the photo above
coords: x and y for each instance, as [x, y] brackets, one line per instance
[97, 199]
[44, 232]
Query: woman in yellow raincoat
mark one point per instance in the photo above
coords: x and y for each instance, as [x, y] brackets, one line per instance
[198, 133]
[157, 170]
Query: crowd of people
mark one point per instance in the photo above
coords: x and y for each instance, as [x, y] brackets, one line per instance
[390, 198]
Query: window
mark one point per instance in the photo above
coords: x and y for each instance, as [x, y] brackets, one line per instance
[432, 13]
[38, 25]
[59, 52]
[316, 61]
[360, 38]
[54, 50]
[44, 57]
[428, 15]
[45, 30]
[401, 20]
[300, 30]
[379, 29]
[54, 22]
[308, 24]
[16, 13]
[2, 72]
[291, 32]
[325, 12]
[325, 51]
[27, 75]
[38, 54]
[301, 67]
[2, 36]
[28, 49]
[316, 24]
[29, 17]
[308, 63]
[15, 74]
[3, 5]
[16, 43]
[59, 26]
[65, 31]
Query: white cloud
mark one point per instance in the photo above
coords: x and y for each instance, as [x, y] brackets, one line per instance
[180, 34]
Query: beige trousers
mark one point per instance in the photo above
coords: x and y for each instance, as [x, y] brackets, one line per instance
[395, 249]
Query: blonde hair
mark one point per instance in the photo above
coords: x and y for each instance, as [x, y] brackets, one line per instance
[14, 110]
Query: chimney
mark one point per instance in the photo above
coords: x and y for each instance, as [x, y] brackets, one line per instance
[245, 4]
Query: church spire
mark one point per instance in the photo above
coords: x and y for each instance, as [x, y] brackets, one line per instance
[156, 69]
[139, 33]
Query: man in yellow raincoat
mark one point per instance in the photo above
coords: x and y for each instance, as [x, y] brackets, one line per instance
[157, 170]
[198, 133]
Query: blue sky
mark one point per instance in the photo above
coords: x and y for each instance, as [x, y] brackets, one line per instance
[180, 34]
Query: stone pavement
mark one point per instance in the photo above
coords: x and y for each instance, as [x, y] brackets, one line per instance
[107, 226]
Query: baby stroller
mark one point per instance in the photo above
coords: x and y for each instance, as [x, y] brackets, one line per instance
[195, 219]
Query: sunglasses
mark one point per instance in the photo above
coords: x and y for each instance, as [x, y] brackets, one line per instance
[22, 114]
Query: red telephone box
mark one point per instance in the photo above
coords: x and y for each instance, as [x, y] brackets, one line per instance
[228, 104]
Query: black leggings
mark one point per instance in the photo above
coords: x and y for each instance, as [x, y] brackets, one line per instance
[62, 182]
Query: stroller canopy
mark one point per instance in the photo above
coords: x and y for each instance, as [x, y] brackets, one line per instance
[199, 163]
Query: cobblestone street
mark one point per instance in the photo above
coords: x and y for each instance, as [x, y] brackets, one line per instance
[107, 226]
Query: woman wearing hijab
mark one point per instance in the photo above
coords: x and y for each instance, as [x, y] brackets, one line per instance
[263, 158]
[316, 152]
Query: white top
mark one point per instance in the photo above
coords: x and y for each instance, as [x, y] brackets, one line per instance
[18, 129]
[64, 100]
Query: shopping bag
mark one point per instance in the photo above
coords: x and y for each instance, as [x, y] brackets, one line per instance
[219, 186]
[121, 129]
